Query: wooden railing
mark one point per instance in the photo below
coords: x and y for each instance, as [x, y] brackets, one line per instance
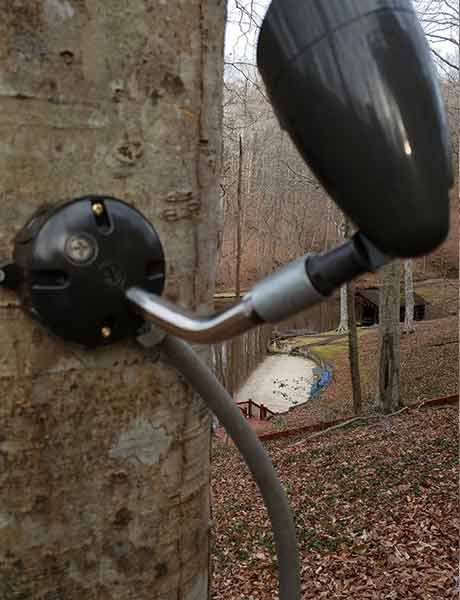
[252, 410]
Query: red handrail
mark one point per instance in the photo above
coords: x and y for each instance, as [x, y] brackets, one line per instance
[247, 406]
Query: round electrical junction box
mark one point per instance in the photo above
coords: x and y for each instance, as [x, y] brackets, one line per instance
[78, 258]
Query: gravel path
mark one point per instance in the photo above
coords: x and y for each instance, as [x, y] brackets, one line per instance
[279, 383]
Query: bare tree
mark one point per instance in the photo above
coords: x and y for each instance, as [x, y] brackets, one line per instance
[388, 394]
[238, 219]
[104, 456]
[409, 320]
[440, 21]
[353, 349]
[348, 324]
[344, 316]
[343, 228]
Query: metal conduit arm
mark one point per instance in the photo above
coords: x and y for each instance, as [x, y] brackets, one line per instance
[299, 285]
[185, 324]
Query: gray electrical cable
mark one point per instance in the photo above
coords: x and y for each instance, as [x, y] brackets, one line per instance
[181, 355]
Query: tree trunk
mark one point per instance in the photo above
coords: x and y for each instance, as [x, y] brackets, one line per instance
[388, 394]
[353, 349]
[238, 219]
[409, 320]
[104, 456]
[344, 314]
[348, 324]
[343, 230]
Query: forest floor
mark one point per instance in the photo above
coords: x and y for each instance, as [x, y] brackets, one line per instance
[429, 369]
[376, 509]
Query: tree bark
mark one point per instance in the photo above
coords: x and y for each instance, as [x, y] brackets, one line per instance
[344, 314]
[238, 219]
[388, 394]
[353, 349]
[343, 229]
[348, 324]
[409, 320]
[104, 456]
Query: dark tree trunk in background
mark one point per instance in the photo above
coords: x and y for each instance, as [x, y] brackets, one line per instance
[388, 394]
[409, 302]
[353, 349]
[238, 219]
[343, 232]
[348, 323]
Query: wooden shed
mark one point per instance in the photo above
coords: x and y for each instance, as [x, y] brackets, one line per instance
[367, 306]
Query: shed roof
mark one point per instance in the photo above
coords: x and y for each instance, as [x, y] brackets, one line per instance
[372, 296]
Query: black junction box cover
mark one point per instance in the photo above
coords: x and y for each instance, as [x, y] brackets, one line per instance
[78, 258]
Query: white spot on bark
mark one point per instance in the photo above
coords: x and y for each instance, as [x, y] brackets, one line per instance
[117, 86]
[6, 89]
[56, 11]
[98, 120]
[143, 444]
[12, 447]
[5, 520]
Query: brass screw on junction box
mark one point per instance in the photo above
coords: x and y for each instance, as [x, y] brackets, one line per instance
[98, 209]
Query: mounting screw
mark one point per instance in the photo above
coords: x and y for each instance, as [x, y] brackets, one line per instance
[81, 248]
[98, 209]
[106, 332]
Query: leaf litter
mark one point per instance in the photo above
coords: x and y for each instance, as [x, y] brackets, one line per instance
[376, 510]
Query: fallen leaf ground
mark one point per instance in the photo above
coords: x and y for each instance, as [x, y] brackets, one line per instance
[375, 505]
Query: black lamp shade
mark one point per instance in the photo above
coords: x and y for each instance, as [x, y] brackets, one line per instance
[353, 83]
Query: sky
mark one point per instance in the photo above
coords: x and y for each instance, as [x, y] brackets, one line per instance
[241, 33]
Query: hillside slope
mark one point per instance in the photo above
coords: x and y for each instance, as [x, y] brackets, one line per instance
[376, 508]
[429, 369]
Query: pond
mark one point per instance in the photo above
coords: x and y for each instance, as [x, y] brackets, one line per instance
[279, 383]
